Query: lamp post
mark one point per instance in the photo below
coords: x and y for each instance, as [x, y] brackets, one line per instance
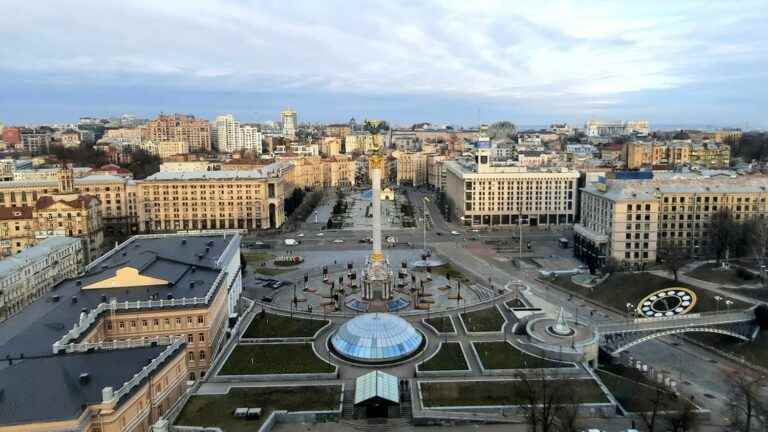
[717, 302]
[728, 304]
[630, 307]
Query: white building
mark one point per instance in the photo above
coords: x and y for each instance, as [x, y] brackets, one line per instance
[32, 272]
[290, 122]
[482, 193]
[233, 137]
[595, 128]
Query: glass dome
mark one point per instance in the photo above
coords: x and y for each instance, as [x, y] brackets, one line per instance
[376, 338]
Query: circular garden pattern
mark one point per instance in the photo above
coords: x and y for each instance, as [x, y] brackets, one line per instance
[667, 302]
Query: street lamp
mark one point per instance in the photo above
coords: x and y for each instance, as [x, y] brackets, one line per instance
[728, 304]
[630, 307]
[717, 302]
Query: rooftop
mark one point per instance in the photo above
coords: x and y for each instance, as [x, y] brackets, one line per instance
[670, 183]
[263, 172]
[181, 263]
[34, 253]
[59, 394]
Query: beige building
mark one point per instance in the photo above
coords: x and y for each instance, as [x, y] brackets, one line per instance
[156, 310]
[70, 138]
[195, 133]
[481, 193]
[411, 168]
[627, 219]
[677, 153]
[71, 215]
[361, 142]
[166, 149]
[436, 171]
[330, 146]
[17, 230]
[30, 274]
[246, 200]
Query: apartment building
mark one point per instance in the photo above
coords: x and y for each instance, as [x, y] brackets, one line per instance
[233, 137]
[338, 131]
[165, 149]
[204, 200]
[627, 220]
[290, 121]
[135, 327]
[72, 215]
[35, 141]
[330, 146]
[705, 154]
[411, 168]
[361, 142]
[195, 133]
[47, 173]
[594, 128]
[17, 230]
[436, 171]
[32, 273]
[483, 193]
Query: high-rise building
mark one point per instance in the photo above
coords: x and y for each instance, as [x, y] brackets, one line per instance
[196, 133]
[290, 122]
[233, 137]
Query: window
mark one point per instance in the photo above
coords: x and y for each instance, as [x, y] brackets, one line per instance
[190, 338]
[201, 319]
[201, 337]
[191, 356]
[202, 355]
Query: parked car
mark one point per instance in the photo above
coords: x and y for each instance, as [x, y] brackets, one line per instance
[338, 241]
[455, 232]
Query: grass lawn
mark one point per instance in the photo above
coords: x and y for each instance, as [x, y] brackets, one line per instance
[450, 357]
[275, 326]
[754, 352]
[442, 325]
[448, 269]
[263, 359]
[637, 396]
[494, 393]
[621, 288]
[502, 355]
[216, 410]
[254, 258]
[269, 271]
[515, 303]
[712, 272]
[483, 320]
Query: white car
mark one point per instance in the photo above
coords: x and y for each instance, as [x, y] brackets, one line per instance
[300, 235]
[455, 233]
[291, 242]
[320, 234]
[338, 241]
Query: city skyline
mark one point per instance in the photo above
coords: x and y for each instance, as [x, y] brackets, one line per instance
[681, 64]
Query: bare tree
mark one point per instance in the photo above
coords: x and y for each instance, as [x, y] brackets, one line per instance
[756, 234]
[684, 419]
[723, 233]
[673, 257]
[656, 406]
[748, 402]
[547, 407]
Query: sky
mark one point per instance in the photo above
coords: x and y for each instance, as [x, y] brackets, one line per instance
[692, 63]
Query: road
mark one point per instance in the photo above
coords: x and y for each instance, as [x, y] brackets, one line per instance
[697, 370]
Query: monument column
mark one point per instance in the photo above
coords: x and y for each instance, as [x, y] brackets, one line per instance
[376, 163]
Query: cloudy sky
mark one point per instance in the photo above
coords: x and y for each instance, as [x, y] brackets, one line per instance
[463, 62]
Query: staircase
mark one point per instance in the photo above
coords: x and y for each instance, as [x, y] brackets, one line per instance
[348, 406]
[377, 425]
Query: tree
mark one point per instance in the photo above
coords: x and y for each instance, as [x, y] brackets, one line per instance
[143, 164]
[547, 408]
[651, 417]
[684, 419]
[502, 130]
[748, 403]
[673, 257]
[755, 233]
[723, 234]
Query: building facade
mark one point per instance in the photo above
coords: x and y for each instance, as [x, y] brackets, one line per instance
[290, 121]
[483, 194]
[195, 133]
[627, 220]
[233, 137]
[33, 272]
[595, 128]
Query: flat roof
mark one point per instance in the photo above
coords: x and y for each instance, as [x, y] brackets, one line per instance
[263, 171]
[29, 255]
[33, 331]
[644, 190]
[49, 389]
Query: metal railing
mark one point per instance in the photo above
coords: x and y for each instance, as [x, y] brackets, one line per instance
[148, 369]
[86, 321]
[662, 323]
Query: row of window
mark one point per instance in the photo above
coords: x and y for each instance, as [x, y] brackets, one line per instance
[156, 323]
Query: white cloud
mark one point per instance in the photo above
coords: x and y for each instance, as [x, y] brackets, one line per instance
[504, 49]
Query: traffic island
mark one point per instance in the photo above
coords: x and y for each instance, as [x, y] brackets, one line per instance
[218, 410]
